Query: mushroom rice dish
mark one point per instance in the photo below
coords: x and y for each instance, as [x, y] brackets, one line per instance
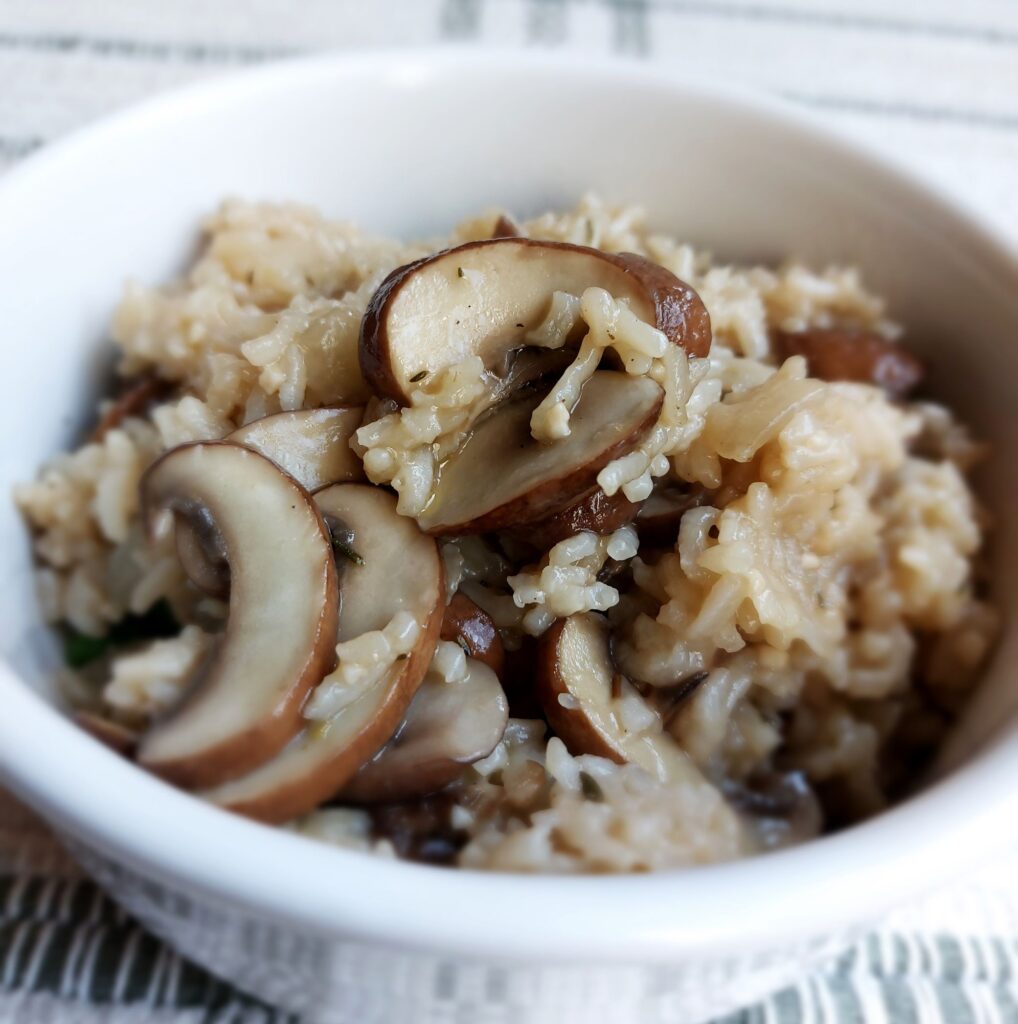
[551, 545]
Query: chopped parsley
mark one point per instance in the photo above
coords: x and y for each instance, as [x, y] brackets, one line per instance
[158, 622]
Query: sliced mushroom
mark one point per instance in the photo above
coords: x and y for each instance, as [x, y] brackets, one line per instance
[468, 625]
[134, 400]
[202, 552]
[518, 679]
[502, 477]
[592, 709]
[779, 808]
[852, 353]
[280, 636]
[660, 515]
[397, 569]
[595, 512]
[312, 445]
[448, 726]
[506, 227]
[524, 368]
[481, 298]
[118, 738]
[421, 829]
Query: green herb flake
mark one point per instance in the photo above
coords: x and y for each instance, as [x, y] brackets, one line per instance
[459, 272]
[157, 623]
[591, 788]
[341, 547]
[81, 650]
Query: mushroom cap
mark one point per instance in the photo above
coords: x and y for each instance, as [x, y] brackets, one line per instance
[312, 445]
[575, 685]
[470, 626]
[401, 571]
[501, 477]
[449, 725]
[595, 512]
[281, 630]
[853, 353]
[482, 297]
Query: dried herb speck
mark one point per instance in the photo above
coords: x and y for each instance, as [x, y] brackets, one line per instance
[420, 375]
[591, 788]
[341, 547]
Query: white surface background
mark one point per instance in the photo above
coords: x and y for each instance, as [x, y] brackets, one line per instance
[934, 82]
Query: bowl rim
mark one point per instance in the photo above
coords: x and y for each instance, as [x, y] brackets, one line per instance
[840, 880]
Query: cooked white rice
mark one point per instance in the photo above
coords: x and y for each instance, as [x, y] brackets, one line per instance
[826, 583]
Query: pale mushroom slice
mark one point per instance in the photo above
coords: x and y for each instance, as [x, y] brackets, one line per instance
[501, 477]
[280, 635]
[312, 445]
[593, 709]
[202, 552]
[482, 298]
[389, 566]
[449, 725]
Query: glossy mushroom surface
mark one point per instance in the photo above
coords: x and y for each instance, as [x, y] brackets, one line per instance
[280, 634]
[388, 566]
[481, 298]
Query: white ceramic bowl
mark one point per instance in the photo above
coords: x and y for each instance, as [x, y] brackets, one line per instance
[407, 144]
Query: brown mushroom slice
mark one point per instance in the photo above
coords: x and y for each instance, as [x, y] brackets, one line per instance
[312, 445]
[398, 568]
[853, 353]
[138, 395]
[118, 738]
[595, 512]
[660, 515]
[502, 477]
[280, 636]
[506, 227]
[467, 624]
[593, 710]
[448, 726]
[481, 298]
[202, 552]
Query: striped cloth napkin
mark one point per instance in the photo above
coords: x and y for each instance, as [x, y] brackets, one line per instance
[933, 83]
